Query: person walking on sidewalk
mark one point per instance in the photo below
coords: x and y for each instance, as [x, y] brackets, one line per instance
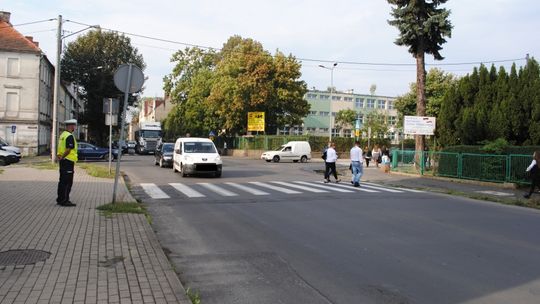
[67, 156]
[367, 155]
[534, 174]
[331, 158]
[356, 163]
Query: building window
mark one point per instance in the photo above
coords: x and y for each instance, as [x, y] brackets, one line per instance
[381, 104]
[324, 113]
[390, 105]
[312, 96]
[333, 114]
[324, 96]
[312, 112]
[12, 104]
[392, 120]
[324, 130]
[347, 98]
[359, 102]
[361, 118]
[12, 67]
[347, 133]
[371, 103]
[336, 98]
[311, 130]
[335, 132]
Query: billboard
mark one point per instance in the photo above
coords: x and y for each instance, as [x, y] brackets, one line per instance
[255, 121]
[419, 125]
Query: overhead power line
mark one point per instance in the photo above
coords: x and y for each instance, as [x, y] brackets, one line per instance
[28, 23]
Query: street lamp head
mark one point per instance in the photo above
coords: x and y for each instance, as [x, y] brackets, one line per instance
[335, 64]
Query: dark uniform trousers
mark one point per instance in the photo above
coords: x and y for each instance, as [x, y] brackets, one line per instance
[66, 180]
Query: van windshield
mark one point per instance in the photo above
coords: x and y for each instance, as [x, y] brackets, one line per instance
[199, 147]
[280, 148]
[3, 142]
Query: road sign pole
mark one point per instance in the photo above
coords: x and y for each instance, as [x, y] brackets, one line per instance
[126, 95]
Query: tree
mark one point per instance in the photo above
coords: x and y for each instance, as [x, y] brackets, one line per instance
[423, 27]
[249, 79]
[90, 62]
[346, 118]
[438, 83]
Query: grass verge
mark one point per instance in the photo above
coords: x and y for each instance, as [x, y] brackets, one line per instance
[96, 170]
[120, 207]
[193, 296]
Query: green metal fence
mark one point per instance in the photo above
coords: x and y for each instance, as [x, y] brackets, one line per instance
[484, 167]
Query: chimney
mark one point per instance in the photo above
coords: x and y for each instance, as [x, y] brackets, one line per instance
[31, 39]
[4, 16]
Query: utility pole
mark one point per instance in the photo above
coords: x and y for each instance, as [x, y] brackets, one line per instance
[54, 133]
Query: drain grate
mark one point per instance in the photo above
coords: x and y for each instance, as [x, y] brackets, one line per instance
[22, 257]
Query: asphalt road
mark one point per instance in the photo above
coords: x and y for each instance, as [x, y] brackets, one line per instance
[235, 246]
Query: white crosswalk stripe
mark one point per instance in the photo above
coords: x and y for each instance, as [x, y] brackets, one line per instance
[325, 187]
[187, 190]
[153, 191]
[402, 189]
[218, 189]
[305, 188]
[248, 189]
[253, 188]
[275, 188]
[361, 189]
[378, 187]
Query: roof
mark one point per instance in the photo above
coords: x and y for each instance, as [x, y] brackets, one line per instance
[12, 40]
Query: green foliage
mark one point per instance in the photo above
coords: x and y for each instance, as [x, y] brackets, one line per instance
[490, 104]
[215, 91]
[438, 84]
[346, 118]
[498, 146]
[122, 207]
[97, 170]
[80, 62]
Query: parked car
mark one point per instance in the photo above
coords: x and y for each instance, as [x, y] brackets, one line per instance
[293, 150]
[196, 155]
[164, 154]
[131, 144]
[7, 157]
[4, 145]
[88, 151]
[116, 145]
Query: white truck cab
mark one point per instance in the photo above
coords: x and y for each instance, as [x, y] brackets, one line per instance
[293, 150]
[196, 155]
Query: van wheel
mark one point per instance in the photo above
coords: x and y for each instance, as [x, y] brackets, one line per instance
[268, 160]
[295, 161]
[276, 159]
[183, 172]
[303, 159]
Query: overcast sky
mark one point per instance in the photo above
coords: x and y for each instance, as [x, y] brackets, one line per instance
[337, 30]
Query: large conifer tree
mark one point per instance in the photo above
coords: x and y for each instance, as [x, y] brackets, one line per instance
[423, 28]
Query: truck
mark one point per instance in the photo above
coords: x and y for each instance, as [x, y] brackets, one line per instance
[147, 137]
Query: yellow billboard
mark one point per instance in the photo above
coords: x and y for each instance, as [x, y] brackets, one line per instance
[256, 121]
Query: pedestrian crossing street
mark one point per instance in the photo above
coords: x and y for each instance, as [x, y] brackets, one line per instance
[230, 189]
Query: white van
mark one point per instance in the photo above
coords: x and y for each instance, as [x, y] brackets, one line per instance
[196, 155]
[293, 150]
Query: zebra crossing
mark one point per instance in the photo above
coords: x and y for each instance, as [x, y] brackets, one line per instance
[231, 189]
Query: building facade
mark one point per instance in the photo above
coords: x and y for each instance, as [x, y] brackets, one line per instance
[325, 105]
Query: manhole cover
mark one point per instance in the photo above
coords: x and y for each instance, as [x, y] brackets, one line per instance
[22, 257]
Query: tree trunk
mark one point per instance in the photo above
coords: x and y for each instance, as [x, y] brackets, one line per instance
[420, 95]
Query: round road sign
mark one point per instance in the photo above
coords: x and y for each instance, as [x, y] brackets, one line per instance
[121, 78]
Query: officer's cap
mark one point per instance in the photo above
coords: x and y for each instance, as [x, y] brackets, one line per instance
[71, 122]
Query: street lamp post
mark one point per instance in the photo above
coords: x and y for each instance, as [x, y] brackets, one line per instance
[56, 89]
[331, 91]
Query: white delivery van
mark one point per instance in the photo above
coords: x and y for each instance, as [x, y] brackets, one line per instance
[196, 155]
[293, 150]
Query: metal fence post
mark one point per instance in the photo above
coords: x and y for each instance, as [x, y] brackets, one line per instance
[508, 164]
[422, 163]
[460, 165]
[394, 159]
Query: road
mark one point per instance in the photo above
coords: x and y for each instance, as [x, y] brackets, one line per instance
[234, 240]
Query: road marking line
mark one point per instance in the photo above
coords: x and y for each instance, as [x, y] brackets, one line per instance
[402, 189]
[187, 190]
[276, 188]
[218, 189]
[378, 187]
[248, 189]
[325, 187]
[352, 188]
[300, 187]
[153, 191]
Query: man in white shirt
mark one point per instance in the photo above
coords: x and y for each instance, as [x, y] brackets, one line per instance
[356, 163]
[331, 158]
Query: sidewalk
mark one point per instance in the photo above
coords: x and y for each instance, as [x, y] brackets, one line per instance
[53, 254]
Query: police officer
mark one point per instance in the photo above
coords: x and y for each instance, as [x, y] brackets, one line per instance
[67, 156]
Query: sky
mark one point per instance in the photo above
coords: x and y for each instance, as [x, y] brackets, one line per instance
[349, 32]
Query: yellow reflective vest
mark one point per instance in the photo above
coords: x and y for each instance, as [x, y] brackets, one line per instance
[72, 156]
